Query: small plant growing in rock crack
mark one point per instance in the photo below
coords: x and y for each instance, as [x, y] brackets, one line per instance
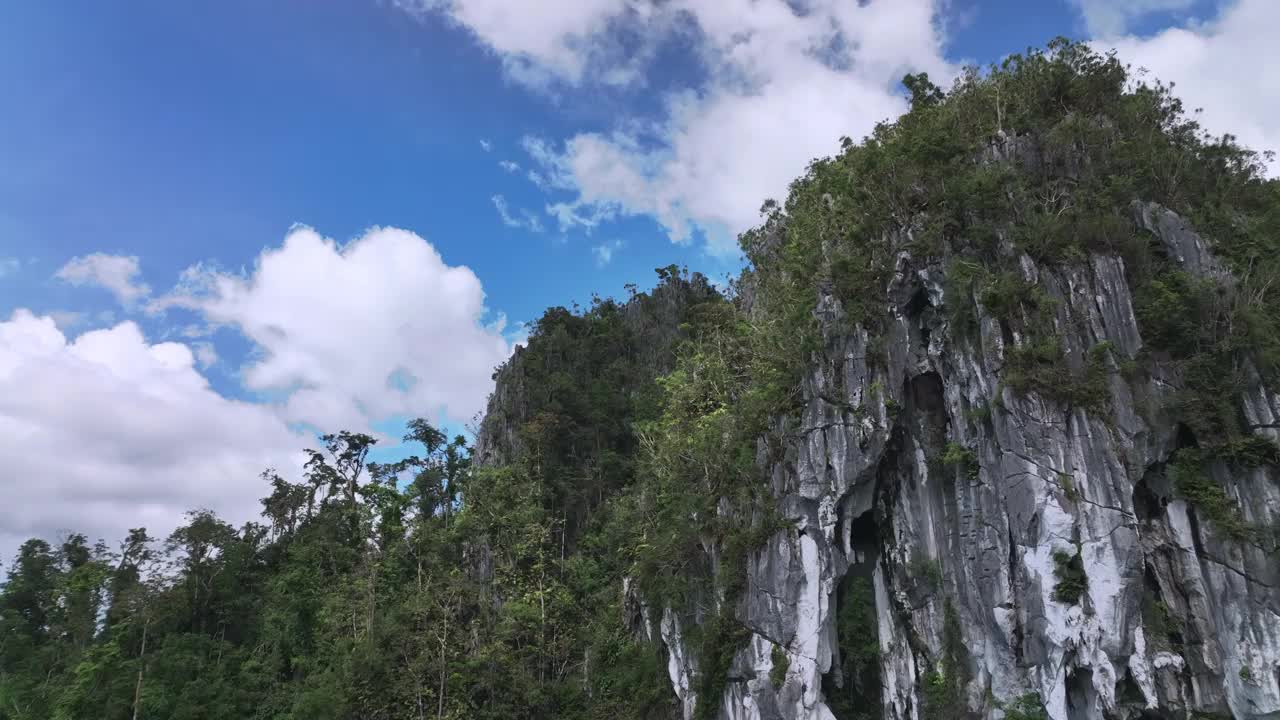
[938, 695]
[1072, 582]
[1192, 482]
[778, 673]
[1129, 368]
[722, 636]
[1157, 621]
[962, 458]
[1068, 485]
[979, 413]
[928, 571]
[944, 686]
[1246, 675]
[892, 408]
[1025, 707]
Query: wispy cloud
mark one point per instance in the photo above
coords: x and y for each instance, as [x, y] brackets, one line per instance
[582, 215]
[119, 274]
[509, 165]
[604, 252]
[9, 266]
[526, 220]
[485, 145]
[205, 354]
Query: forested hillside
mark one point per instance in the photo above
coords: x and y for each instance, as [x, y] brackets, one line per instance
[986, 428]
[428, 588]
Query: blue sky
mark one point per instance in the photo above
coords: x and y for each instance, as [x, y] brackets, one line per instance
[152, 152]
[182, 133]
[182, 136]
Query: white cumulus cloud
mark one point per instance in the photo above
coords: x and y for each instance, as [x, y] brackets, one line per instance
[106, 431]
[780, 83]
[547, 42]
[119, 274]
[348, 335]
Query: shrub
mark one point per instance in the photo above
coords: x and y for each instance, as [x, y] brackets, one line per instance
[930, 571]
[778, 672]
[1193, 483]
[1026, 707]
[962, 459]
[1072, 582]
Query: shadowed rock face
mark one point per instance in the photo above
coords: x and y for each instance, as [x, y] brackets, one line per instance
[953, 494]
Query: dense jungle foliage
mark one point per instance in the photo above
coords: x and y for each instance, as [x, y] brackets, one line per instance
[629, 436]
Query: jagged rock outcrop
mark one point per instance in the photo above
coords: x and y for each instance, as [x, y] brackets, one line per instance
[918, 467]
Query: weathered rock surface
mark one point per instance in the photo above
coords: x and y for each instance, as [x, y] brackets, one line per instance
[867, 494]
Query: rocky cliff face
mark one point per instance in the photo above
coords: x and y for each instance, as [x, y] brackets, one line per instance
[1015, 449]
[967, 505]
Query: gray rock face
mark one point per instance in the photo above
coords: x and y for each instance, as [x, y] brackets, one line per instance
[867, 493]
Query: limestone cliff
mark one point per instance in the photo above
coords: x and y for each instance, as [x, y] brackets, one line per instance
[1016, 452]
[1031, 477]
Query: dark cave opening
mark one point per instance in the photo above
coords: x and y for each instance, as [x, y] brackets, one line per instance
[1081, 696]
[852, 686]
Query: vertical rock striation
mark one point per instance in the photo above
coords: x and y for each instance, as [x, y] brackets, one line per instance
[1015, 434]
[965, 504]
